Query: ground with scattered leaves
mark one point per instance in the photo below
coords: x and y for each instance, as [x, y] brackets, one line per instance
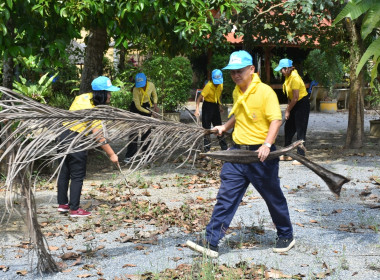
[138, 230]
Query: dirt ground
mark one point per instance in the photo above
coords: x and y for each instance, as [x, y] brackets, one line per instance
[163, 201]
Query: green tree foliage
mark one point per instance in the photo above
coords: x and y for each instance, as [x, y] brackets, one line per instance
[172, 78]
[174, 26]
[370, 10]
[285, 22]
[34, 27]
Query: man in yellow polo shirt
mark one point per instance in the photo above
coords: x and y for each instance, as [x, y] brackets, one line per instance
[211, 108]
[256, 119]
[74, 165]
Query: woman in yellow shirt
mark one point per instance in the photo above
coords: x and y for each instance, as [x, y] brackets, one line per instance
[212, 107]
[73, 170]
[298, 110]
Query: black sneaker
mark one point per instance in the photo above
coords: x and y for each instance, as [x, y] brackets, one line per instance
[127, 160]
[283, 244]
[204, 248]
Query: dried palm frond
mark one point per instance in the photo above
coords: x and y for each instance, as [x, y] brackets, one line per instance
[29, 134]
[35, 128]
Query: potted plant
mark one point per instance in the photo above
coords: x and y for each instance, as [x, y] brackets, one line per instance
[374, 101]
[326, 68]
[173, 79]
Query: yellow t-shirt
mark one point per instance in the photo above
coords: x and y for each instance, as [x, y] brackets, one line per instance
[212, 93]
[294, 81]
[252, 122]
[81, 102]
[141, 96]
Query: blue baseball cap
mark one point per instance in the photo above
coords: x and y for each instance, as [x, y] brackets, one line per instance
[103, 83]
[284, 63]
[238, 60]
[140, 80]
[217, 77]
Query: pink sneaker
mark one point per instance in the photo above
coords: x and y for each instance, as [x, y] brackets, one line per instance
[79, 213]
[63, 208]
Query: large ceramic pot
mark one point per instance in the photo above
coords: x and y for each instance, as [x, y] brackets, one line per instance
[374, 126]
[175, 116]
[328, 106]
[226, 111]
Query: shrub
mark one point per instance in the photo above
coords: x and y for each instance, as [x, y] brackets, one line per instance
[61, 100]
[67, 79]
[122, 99]
[172, 78]
[125, 80]
[324, 67]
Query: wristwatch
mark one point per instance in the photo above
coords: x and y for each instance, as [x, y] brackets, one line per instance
[267, 144]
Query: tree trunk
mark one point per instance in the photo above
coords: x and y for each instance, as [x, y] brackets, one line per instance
[267, 64]
[355, 128]
[93, 60]
[122, 53]
[8, 68]
[209, 59]
[8, 65]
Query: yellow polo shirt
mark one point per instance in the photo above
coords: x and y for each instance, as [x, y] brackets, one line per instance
[212, 93]
[82, 102]
[294, 81]
[141, 96]
[256, 112]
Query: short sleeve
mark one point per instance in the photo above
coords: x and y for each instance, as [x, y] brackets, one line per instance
[296, 84]
[206, 90]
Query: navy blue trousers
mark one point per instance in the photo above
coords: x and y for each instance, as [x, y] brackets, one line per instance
[235, 179]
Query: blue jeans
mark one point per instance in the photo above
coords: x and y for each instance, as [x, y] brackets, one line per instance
[235, 179]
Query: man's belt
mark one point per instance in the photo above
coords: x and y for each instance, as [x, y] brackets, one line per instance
[246, 147]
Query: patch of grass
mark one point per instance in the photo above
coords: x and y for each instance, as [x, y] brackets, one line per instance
[374, 266]
[208, 269]
[370, 222]
[343, 260]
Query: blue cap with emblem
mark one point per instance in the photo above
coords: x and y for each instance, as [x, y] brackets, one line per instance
[140, 80]
[103, 83]
[217, 77]
[239, 60]
[284, 63]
